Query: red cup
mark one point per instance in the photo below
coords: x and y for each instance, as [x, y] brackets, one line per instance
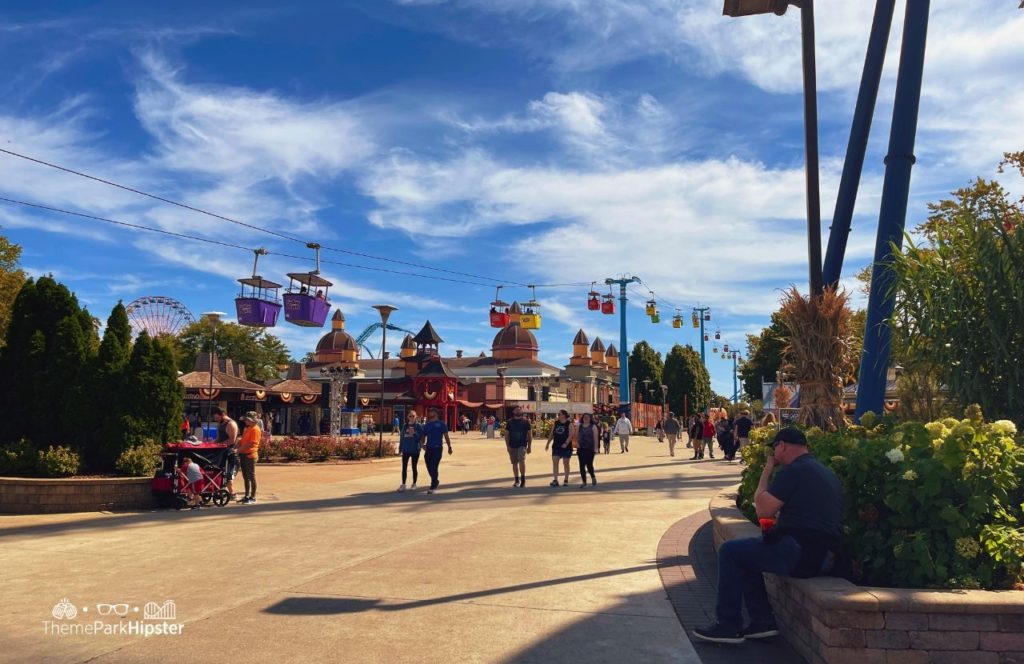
[766, 525]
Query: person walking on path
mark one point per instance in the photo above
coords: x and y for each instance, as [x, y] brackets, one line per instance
[697, 437]
[727, 438]
[623, 429]
[606, 435]
[249, 454]
[519, 443]
[227, 434]
[743, 426]
[587, 440]
[434, 436]
[709, 437]
[802, 508]
[672, 429]
[409, 446]
[563, 435]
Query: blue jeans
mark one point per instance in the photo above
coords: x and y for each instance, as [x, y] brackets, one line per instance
[740, 566]
[432, 455]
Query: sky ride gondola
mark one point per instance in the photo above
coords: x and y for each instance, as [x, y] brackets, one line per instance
[677, 320]
[530, 318]
[608, 302]
[306, 303]
[499, 310]
[593, 298]
[257, 304]
[652, 308]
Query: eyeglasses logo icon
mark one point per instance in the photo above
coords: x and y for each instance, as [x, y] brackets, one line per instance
[116, 609]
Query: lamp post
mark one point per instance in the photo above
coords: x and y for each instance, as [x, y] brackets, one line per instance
[213, 317]
[385, 311]
[752, 7]
[664, 400]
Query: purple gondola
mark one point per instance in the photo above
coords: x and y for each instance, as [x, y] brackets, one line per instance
[306, 303]
[257, 305]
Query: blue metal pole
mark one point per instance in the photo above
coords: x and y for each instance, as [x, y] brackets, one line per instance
[735, 384]
[893, 215]
[811, 145]
[858, 144]
[624, 396]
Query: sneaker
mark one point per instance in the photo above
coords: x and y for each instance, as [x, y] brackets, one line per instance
[245, 501]
[522, 483]
[252, 501]
[565, 483]
[430, 491]
[401, 488]
[583, 486]
[553, 483]
[516, 483]
[761, 630]
[593, 481]
[413, 487]
[717, 634]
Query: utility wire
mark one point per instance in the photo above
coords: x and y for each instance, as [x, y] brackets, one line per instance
[254, 227]
[197, 238]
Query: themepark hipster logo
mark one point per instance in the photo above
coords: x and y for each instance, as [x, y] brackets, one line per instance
[112, 619]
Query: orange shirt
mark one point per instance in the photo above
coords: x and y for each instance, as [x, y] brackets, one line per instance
[250, 444]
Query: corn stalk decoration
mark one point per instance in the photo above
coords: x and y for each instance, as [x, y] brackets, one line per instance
[818, 353]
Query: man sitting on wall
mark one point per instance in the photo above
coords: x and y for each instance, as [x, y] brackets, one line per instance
[805, 499]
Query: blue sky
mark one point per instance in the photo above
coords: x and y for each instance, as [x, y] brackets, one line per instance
[530, 141]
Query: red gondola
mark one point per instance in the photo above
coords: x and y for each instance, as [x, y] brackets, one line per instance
[499, 311]
[608, 303]
[593, 298]
[718, 334]
[726, 348]
[259, 307]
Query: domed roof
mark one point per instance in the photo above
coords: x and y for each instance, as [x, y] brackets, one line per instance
[581, 339]
[598, 345]
[335, 341]
[408, 343]
[514, 336]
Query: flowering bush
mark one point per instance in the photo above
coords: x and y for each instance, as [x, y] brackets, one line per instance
[58, 461]
[322, 448]
[140, 460]
[936, 505]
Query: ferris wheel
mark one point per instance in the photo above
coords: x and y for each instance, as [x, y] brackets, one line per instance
[158, 314]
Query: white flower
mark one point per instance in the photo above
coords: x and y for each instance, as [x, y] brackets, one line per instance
[1005, 426]
[910, 476]
[895, 455]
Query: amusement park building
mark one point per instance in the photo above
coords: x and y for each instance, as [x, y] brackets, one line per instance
[421, 377]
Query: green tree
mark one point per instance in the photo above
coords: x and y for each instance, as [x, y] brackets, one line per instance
[108, 377]
[11, 280]
[50, 342]
[151, 397]
[689, 384]
[645, 364]
[260, 351]
[764, 356]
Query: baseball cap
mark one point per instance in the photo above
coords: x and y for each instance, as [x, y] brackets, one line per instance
[789, 435]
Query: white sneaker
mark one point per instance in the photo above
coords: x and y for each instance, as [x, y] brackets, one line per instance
[413, 487]
[401, 488]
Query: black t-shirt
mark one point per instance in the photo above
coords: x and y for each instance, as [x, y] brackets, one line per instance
[811, 494]
[743, 427]
[518, 431]
[560, 433]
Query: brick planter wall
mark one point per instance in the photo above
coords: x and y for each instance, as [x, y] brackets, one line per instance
[829, 620]
[47, 496]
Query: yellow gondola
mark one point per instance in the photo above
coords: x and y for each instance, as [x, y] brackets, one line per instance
[652, 308]
[677, 321]
[530, 319]
[696, 321]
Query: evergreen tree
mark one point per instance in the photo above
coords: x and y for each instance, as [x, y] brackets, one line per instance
[108, 376]
[689, 384]
[150, 403]
[645, 364]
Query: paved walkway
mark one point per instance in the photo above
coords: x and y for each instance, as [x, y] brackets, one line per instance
[333, 565]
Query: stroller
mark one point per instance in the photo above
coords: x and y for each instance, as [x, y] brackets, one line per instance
[168, 485]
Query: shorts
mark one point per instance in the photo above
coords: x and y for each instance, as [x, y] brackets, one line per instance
[517, 454]
[561, 452]
[231, 468]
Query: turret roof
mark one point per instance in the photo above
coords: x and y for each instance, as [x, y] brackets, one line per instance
[581, 339]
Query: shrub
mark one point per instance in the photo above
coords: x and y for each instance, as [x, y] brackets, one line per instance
[139, 460]
[19, 458]
[293, 452]
[933, 505]
[322, 448]
[58, 461]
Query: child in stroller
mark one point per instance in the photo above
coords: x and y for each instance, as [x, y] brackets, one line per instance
[192, 475]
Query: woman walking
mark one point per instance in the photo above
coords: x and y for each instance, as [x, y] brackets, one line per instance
[249, 454]
[697, 437]
[726, 438]
[587, 440]
[709, 437]
[409, 446]
[562, 435]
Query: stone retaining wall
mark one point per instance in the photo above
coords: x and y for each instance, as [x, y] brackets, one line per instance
[832, 621]
[47, 496]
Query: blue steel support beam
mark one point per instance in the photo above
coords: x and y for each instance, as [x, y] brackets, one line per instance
[858, 144]
[811, 145]
[624, 396]
[893, 215]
